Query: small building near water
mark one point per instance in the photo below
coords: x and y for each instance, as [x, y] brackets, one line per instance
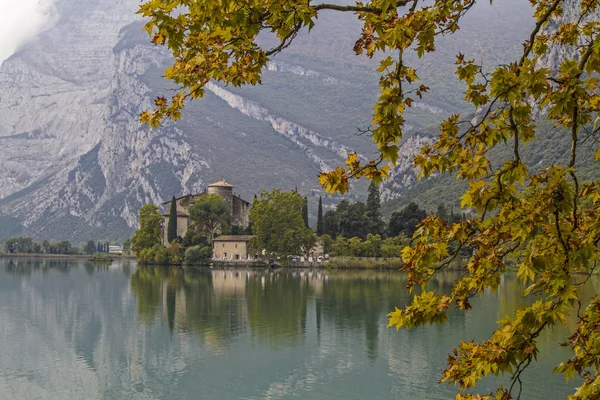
[115, 249]
[233, 248]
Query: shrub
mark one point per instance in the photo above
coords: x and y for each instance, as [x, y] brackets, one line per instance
[197, 255]
[363, 263]
[161, 255]
[176, 253]
[144, 256]
[391, 250]
[194, 238]
[206, 253]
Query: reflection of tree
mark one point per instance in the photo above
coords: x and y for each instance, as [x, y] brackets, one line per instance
[146, 284]
[30, 266]
[213, 315]
[277, 307]
[360, 301]
[190, 302]
[126, 268]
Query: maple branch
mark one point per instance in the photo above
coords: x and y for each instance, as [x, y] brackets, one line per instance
[335, 7]
[517, 376]
[286, 41]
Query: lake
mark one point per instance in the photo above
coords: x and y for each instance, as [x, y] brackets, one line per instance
[72, 330]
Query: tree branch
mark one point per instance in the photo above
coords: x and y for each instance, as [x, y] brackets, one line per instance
[538, 26]
[335, 7]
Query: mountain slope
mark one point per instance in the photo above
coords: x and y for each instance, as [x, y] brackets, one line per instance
[78, 165]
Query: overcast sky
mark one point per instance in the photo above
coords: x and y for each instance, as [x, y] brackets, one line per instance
[20, 21]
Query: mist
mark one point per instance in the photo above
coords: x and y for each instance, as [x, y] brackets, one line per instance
[21, 21]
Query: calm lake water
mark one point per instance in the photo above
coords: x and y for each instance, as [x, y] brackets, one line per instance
[70, 330]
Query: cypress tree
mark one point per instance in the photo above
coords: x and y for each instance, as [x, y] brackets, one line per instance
[373, 210]
[172, 225]
[305, 212]
[320, 218]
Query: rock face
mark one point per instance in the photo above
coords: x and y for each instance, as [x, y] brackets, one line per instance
[77, 165]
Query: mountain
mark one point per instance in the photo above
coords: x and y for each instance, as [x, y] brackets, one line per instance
[77, 164]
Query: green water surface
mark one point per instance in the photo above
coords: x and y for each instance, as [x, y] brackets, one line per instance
[72, 330]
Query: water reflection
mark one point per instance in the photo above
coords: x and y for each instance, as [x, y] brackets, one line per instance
[273, 306]
[117, 331]
[28, 266]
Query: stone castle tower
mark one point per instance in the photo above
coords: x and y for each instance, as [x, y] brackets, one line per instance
[223, 189]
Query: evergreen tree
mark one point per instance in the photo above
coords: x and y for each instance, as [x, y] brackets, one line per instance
[405, 221]
[99, 248]
[352, 220]
[90, 247]
[305, 212]
[373, 210]
[320, 218]
[443, 213]
[330, 226]
[172, 225]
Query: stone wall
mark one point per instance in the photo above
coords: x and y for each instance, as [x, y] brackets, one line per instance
[231, 250]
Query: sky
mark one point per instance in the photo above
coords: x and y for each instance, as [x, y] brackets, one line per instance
[21, 21]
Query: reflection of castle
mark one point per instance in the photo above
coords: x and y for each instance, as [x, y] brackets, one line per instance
[240, 208]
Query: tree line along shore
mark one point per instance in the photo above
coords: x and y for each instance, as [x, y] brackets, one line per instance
[350, 235]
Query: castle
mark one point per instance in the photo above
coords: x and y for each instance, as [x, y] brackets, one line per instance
[240, 208]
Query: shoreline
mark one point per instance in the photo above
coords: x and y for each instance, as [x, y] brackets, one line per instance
[74, 256]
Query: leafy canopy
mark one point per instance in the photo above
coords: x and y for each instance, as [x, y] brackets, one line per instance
[211, 215]
[149, 233]
[547, 222]
[278, 224]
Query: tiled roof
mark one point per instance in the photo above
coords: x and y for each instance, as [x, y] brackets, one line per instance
[185, 196]
[220, 184]
[178, 198]
[239, 198]
[234, 238]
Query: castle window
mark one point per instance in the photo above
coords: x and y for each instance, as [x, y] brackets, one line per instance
[223, 244]
[236, 246]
